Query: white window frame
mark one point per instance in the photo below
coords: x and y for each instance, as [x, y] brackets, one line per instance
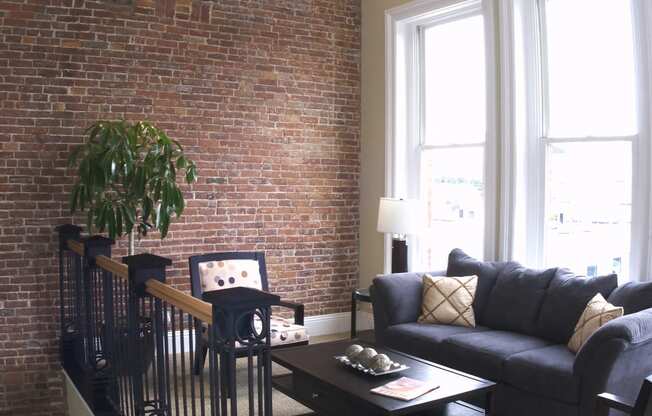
[516, 168]
[403, 107]
[538, 140]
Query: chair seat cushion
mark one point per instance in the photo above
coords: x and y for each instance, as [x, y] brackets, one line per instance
[484, 353]
[282, 331]
[285, 331]
[422, 340]
[544, 371]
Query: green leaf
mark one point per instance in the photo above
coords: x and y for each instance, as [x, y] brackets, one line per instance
[179, 202]
[73, 198]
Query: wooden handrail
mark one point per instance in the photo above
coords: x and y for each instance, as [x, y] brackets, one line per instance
[108, 264]
[76, 246]
[195, 307]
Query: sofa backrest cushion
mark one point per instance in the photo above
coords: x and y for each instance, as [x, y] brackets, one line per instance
[461, 264]
[516, 298]
[565, 300]
[633, 297]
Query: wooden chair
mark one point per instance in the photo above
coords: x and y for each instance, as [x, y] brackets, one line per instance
[642, 406]
[217, 271]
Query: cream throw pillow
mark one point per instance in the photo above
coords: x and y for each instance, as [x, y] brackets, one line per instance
[597, 313]
[448, 300]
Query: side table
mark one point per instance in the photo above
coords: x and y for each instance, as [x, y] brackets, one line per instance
[361, 295]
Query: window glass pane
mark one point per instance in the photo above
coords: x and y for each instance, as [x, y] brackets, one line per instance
[452, 186]
[591, 72]
[454, 82]
[589, 200]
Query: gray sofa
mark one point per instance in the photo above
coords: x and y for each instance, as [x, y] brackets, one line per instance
[524, 320]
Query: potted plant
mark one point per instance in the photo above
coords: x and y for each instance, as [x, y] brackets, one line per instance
[127, 179]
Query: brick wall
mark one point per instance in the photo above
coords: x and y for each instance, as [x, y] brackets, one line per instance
[263, 94]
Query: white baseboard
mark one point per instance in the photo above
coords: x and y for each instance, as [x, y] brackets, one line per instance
[337, 323]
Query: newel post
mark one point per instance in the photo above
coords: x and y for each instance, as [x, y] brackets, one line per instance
[147, 335]
[241, 320]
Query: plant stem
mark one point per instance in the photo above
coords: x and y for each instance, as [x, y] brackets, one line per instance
[132, 243]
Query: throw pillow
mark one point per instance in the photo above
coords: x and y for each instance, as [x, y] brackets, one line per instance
[448, 300]
[597, 313]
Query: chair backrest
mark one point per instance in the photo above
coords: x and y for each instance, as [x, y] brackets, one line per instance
[216, 271]
[643, 405]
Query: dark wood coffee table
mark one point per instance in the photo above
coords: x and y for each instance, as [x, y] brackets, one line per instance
[328, 387]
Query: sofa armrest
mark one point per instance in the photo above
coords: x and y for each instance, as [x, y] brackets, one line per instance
[633, 329]
[615, 359]
[396, 299]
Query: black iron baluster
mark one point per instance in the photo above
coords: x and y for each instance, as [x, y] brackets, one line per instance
[191, 348]
[66, 232]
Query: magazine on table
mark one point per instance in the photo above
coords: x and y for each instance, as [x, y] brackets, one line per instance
[405, 388]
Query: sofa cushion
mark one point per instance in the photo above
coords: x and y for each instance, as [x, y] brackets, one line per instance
[461, 264]
[484, 353]
[423, 340]
[633, 297]
[565, 300]
[544, 371]
[516, 298]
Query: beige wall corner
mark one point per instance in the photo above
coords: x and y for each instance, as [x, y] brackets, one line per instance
[76, 404]
[372, 158]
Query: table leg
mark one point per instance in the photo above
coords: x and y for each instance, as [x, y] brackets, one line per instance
[353, 315]
[488, 406]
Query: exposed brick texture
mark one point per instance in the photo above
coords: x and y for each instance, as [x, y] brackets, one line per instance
[263, 94]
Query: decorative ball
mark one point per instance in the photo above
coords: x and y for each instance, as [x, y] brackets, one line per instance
[365, 356]
[380, 363]
[352, 352]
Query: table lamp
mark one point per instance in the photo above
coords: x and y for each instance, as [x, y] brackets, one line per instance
[399, 217]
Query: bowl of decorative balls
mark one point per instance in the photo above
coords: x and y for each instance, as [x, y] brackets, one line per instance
[368, 361]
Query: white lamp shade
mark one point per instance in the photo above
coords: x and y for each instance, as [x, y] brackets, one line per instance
[399, 216]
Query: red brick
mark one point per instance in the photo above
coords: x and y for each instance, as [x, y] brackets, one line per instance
[258, 93]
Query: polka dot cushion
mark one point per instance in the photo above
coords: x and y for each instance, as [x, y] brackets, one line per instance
[283, 331]
[216, 275]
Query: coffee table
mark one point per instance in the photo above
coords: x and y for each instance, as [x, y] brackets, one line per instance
[326, 386]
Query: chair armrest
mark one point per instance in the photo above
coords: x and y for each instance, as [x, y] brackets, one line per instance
[611, 401]
[298, 310]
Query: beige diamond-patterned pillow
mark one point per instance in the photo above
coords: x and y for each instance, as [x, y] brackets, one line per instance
[597, 313]
[448, 300]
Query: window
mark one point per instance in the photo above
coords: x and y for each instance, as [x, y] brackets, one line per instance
[589, 95]
[525, 128]
[453, 139]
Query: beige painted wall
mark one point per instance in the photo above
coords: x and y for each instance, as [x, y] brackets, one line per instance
[372, 159]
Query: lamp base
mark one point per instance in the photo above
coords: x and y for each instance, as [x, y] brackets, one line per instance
[399, 256]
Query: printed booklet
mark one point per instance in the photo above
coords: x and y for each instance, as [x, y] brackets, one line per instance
[405, 388]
